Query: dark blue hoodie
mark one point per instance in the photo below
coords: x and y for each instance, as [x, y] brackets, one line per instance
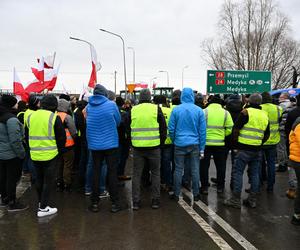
[187, 124]
[103, 119]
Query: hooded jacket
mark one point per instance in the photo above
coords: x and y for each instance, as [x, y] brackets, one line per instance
[103, 119]
[187, 124]
[11, 136]
[64, 106]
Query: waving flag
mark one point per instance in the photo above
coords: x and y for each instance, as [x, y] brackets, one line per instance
[96, 66]
[37, 86]
[39, 72]
[18, 88]
[51, 78]
[48, 61]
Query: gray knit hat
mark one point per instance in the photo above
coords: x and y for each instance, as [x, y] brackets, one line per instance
[255, 99]
[100, 90]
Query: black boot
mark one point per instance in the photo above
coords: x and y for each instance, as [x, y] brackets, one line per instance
[250, 201]
[234, 201]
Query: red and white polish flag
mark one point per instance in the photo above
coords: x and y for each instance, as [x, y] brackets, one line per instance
[39, 71]
[48, 61]
[49, 83]
[96, 66]
[51, 78]
[18, 88]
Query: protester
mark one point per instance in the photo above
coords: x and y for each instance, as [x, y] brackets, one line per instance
[166, 149]
[103, 118]
[33, 105]
[81, 142]
[282, 152]
[234, 104]
[147, 131]
[218, 125]
[22, 107]
[269, 148]
[46, 135]
[199, 100]
[294, 162]
[250, 132]
[12, 153]
[124, 141]
[66, 160]
[290, 119]
[187, 131]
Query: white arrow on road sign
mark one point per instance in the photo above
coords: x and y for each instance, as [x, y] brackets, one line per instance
[211, 74]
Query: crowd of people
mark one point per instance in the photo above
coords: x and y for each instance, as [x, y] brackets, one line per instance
[172, 144]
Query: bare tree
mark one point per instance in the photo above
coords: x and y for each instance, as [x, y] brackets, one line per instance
[254, 35]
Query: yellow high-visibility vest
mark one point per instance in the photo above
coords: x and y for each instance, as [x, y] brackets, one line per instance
[253, 132]
[144, 126]
[274, 113]
[167, 113]
[42, 141]
[218, 124]
[27, 113]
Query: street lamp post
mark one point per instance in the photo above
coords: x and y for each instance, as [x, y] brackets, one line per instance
[182, 82]
[81, 40]
[164, 71]
[124, 60]
[115, 78]
[133, 51]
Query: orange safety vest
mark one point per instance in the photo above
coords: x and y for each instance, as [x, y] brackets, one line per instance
[69, 142]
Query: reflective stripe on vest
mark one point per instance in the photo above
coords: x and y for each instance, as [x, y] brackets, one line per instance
[215, 117]
[167, 113]
[274, 113]
[144, 126]
[27, 113]
[42, 141]
[69, 141]
[253, 132]
[20, 113]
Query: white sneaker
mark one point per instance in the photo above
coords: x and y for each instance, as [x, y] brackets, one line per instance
[104, 195]
[46, 211]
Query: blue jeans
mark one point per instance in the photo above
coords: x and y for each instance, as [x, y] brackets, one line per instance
[253, 160]
[270, 154]
[89, 175]
[186, 155]
[166, 165]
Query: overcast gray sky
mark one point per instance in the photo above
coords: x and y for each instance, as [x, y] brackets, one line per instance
[166, 35]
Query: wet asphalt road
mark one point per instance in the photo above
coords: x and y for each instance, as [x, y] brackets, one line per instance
[170, 227]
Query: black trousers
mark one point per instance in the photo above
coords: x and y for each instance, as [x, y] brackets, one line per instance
[10, 173]
[44, 178]
[112, 161]
[219, 154]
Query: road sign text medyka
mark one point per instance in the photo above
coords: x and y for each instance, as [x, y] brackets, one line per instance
[243, 82]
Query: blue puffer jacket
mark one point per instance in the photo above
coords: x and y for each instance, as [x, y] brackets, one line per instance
[187, 124]
[103, 118]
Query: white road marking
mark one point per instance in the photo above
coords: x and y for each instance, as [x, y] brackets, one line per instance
[204, 225]
[222, 223]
